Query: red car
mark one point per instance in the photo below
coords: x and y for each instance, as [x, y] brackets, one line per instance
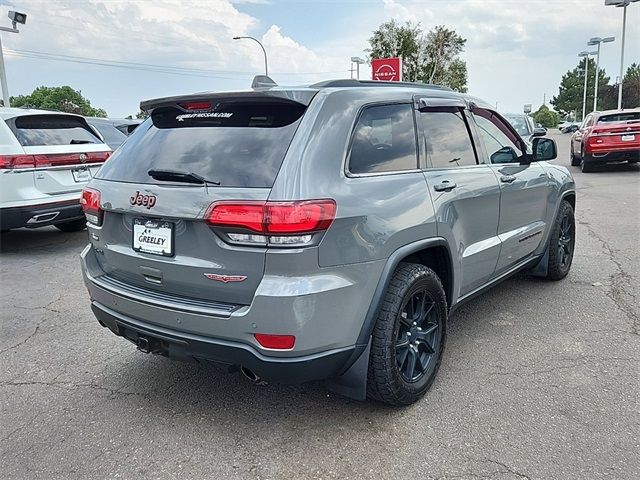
[612, 136]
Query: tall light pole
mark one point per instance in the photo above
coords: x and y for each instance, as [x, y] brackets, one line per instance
[266, 69]
[586, 76]
[358, 61]
[624, 4]
[598, 41]
[15, 17]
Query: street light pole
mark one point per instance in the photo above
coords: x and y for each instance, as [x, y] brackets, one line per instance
[3, 78]
[358, 61]
[598, 41]
[624, 28]
[585, 55]
[624, 4]
[266, 69]
[15, 17]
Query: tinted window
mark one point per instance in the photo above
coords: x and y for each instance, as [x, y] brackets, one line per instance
[239, 144]
[498, 140]
[384, 140]
[35, 130]
[447, 139]
[620, 117]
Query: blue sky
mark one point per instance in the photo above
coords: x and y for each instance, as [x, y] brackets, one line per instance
[517, 50]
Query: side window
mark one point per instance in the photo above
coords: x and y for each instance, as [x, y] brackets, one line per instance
[500, 143]
[447, 139]
[384, 140]
[589, 121]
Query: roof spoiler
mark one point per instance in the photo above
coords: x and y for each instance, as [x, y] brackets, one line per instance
[263, 81]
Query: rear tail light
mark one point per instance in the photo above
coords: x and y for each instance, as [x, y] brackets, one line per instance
[58, 160]
[54, 160]
[90, 202]
[17, 161]
[272, 223]
[275, 342]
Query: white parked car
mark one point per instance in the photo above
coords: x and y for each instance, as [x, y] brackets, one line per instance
[46, 158]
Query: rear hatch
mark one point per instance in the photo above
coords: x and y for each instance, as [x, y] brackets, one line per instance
[618, 131]
[154, 234]
[64, 150]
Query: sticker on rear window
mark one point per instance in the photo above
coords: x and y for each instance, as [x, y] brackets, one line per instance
[181, 118]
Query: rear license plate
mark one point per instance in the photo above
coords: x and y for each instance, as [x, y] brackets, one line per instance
[81, 175]
[153, 236]
[628, 138]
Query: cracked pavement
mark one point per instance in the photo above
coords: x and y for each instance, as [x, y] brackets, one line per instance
[539, 381]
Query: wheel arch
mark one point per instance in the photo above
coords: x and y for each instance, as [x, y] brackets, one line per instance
[433, 253]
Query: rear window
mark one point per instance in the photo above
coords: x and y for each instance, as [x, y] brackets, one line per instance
[620, 117]
[236, 143]
[37, 130]
[519, 123]
[112, 136]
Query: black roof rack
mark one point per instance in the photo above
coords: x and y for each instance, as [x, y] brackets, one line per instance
[375, 83]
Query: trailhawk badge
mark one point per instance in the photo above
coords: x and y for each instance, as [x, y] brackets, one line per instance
[225, 278]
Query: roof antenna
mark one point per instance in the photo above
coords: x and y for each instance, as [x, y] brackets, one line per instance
[263, 81]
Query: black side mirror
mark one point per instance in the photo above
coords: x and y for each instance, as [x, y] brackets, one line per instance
[539, 132]
[544, 149]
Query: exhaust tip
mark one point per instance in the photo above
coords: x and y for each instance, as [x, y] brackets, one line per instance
[250, 374]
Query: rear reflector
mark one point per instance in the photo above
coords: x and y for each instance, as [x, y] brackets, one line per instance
[51, 160]
[291, 218]
[90, 202]
[275, 342]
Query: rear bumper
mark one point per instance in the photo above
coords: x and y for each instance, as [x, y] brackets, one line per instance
[32, 216]
[612, 156]
[325, 316]
[189, 347]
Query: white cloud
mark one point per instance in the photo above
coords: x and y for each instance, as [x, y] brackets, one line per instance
[516, 50]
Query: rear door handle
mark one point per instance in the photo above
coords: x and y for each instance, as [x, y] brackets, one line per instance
[507, 178]
[444, 186]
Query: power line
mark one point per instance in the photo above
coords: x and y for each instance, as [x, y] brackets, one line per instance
[184, 71]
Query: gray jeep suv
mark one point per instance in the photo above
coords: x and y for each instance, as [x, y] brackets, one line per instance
[322, 232]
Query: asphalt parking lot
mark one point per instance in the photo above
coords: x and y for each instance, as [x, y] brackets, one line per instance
[540, 380]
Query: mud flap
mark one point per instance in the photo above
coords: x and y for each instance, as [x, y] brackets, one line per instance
[542, 267]
[353, 382]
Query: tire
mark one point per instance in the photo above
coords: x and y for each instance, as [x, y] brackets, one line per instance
[562, 243]
[575, 161]
[72, 226]
[414, 291]
[585, 166]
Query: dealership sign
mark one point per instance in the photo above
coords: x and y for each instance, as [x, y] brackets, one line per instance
[387, 69]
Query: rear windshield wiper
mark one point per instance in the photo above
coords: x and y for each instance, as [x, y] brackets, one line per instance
[79, 142]
[186, 177]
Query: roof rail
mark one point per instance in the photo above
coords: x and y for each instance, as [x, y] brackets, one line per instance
[375, 83]
[263, 81]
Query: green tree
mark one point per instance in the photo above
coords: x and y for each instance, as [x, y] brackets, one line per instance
[546, 117]
[61, 99]
[571, 91]
[142, 115]
[430, 58]
[631, 87]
